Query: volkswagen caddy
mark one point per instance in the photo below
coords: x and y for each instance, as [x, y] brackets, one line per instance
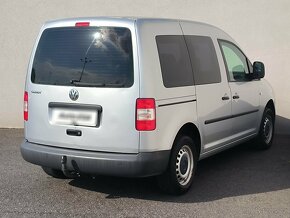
[138, 97]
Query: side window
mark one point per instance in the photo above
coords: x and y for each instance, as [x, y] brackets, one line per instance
[174, 61]
[236, 62]
[204, 61]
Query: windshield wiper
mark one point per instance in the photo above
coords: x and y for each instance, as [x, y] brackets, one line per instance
[85, 84]
[114, 84]
[78, 83]
[84, 65]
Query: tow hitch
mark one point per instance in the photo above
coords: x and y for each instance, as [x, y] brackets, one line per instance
[66, 172]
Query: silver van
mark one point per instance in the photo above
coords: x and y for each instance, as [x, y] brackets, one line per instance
[138, 97]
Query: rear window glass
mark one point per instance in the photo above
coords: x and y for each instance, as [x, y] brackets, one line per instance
[174, 61]
[92, 56]
[204, 60]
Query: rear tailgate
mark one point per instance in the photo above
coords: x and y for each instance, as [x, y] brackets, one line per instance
[82, 86]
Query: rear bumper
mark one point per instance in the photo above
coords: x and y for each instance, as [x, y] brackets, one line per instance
[90, 162]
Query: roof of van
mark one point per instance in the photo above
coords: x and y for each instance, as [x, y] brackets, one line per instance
[143, 19]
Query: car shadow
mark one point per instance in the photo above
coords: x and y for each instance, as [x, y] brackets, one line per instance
[238, 171]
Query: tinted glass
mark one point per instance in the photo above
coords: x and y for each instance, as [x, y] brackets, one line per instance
[174, 61]
[236, 62]
[94, 55]
[204, 61]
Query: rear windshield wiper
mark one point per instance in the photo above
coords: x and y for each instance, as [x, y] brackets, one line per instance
[85, 84]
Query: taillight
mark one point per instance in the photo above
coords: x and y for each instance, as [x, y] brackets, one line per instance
[25, 107]
[145, 114]
[81, 24]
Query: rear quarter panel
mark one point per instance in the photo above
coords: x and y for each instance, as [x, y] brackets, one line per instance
[172, 117]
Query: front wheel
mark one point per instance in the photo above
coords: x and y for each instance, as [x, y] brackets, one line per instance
[178, 177]
[266, 132]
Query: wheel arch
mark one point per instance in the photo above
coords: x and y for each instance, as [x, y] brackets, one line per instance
[270, 104]
[192, 131]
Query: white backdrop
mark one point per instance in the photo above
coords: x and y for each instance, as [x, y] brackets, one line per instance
[261, 27]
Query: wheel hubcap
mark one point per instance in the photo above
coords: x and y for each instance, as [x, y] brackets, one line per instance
[184, 165]
[268, 130]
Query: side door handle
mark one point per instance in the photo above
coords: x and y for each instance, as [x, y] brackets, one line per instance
[236, 97]
[225, 98]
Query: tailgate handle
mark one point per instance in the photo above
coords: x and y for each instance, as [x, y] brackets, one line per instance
[74, 132]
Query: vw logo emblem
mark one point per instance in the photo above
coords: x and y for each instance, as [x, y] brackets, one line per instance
[73, 94]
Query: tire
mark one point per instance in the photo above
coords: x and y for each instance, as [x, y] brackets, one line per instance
[266, 133]
[179, 174]
[54, 173]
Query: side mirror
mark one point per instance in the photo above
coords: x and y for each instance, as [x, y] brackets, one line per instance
[258, 70]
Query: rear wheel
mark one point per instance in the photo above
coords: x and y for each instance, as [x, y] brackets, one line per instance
[266, 132]
[178, 177]
[54, 173]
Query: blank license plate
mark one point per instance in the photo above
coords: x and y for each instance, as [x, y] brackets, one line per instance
[75, 117]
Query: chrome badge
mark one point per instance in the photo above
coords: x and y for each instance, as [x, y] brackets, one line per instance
[73, 94]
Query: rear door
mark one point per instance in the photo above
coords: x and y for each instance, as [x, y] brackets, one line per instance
[212, 90]
[82, 87]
